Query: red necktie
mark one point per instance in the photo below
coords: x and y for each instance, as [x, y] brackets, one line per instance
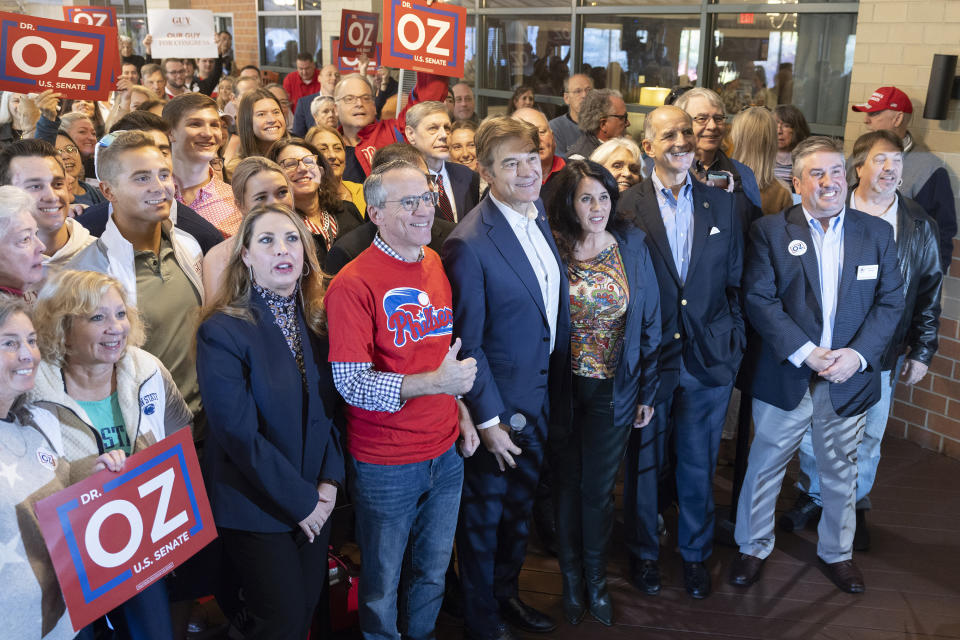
[444, 203]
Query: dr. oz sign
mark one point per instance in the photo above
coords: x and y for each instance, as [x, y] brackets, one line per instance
[425, 38]
[96, 16]
[358, 32]
[113, 535]
[78, 60]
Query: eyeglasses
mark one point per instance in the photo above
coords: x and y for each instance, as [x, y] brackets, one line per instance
[177, 72]
[103, 143]
[352, 100]
[717, 119]
[291, 164]
[579, 92]
[69, 149]
[624, 117]
[216, 164]
[412, 203]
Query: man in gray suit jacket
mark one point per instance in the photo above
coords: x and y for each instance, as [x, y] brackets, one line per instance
[815, 363]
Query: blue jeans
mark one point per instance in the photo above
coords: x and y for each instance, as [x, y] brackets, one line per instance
[406, 518]
[868, 453]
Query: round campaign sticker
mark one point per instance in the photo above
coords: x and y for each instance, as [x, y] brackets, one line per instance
[797, 248]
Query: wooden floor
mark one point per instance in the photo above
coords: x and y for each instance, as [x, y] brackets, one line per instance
[912, 573]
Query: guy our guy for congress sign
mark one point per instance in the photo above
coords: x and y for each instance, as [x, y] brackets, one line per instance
[112, 535]
[424, 38]
[78, 60]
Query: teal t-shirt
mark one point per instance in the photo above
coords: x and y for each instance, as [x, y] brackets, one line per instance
[107, 419]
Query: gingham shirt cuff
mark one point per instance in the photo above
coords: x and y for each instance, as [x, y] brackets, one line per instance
[366, 388]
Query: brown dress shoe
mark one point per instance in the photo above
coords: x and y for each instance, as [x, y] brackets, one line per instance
[845, 575]
[745, 570]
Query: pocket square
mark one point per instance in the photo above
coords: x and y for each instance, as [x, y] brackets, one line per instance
[714, 231]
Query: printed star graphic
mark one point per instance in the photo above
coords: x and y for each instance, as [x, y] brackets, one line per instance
[9, 471]
[9, 553]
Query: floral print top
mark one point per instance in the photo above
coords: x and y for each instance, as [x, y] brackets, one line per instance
[599, 294]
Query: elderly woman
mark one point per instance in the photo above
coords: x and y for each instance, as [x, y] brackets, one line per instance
[878, 161]
[107, 393]
[260, 123]
[614, 338]
[332, 147]
[31, 446]
[315, 194]
[256, 181]
[621, 157]
[273, 460]
[21, 251]
[324, 112]
[754, 137]
[792, 129]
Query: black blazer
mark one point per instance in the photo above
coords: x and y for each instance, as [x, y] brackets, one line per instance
[702, 320]
[349, 246]
[94, 220]
[348, 218]
[782, 293]
[270, 440]
[465, 187]
[636, 379]
[499, 315]
[302, 118]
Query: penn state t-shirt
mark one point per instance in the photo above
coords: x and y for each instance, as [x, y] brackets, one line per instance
[107, 419]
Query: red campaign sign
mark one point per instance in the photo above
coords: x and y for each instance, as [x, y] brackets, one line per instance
[113, 535]
[358, 32]
[96, 16]
[350, 64]
[425, 38]
[80, 61]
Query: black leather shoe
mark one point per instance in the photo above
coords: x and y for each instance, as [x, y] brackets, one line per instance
[745, 570]
[645, 575]
[696, 579]
[804, 511]
[524, 617]
[502, 632]
[598, 596]
[861, 539]
[845, 575]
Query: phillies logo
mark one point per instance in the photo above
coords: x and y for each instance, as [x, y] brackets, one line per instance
[410, 315]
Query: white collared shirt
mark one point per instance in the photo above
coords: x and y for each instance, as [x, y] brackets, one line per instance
[447, 189]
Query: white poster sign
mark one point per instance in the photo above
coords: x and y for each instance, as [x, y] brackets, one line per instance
[182, 33]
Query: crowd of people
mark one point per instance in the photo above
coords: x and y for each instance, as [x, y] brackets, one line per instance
[446, 320]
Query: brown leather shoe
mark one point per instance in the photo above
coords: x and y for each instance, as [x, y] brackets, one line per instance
[845, 575]
[745, 570]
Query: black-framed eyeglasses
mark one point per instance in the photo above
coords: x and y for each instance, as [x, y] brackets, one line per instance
[291, 164]
[718, 119]
[412, 203]
[216, 164]
[624, 117]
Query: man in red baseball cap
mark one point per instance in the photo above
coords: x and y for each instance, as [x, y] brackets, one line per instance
[925, 177]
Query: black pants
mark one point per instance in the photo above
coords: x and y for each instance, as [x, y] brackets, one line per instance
[586, 456]
[282, 577]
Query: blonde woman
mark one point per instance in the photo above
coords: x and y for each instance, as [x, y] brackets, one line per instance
[754, 137]
[621, 157]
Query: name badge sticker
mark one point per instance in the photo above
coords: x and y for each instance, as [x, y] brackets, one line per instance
[867, 272]
[797, 248]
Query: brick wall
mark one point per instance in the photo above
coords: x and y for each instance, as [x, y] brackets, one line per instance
[896, 41]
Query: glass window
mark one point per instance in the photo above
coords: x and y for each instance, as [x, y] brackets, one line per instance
[310, 37]
[527, 51]
[785, 58]
[278, 5]
[279, 41]
[136, 28]
[628, 53]
[310, 5]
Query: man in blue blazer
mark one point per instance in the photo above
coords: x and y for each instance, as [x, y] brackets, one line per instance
[815, 363]
[427, 129]
[511, 311]
[696, 245]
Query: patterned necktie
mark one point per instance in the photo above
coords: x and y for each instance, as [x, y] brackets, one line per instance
[444, 203]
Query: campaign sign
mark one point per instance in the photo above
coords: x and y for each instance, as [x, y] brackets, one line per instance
[96, 16]
[351, 64]
[182, 33]
[113, 535]
[424, 38]
[78, 60]
[358, 32]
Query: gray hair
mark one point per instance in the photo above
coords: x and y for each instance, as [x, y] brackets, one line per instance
[709, 95]
[374, 191]
[596, 106]
[67, 120]
[316, 103]
[421, 110]
[810, 146]
[13, 201]
[602, 153]
[566, 81]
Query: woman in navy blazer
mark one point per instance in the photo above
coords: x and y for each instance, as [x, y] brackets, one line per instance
[273, 459]
[615, 337]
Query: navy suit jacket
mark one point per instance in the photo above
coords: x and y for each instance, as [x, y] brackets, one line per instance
[302, 118]
[270, 440]
[465, 187]
[636, 379]
[499, 315]
[783, 304]
[94, 220]
[702, 319]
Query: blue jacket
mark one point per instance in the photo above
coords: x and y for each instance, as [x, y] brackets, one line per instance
[782, 293]
[270, 440]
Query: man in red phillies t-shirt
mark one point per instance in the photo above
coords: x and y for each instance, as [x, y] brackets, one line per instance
[390, 320]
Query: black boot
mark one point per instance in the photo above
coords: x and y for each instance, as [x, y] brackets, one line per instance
[573, 607]
[598, 597]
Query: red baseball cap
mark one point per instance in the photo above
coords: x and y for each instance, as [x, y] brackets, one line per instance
[886, 98]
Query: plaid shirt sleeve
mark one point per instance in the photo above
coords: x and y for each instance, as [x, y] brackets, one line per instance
[364, 387]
